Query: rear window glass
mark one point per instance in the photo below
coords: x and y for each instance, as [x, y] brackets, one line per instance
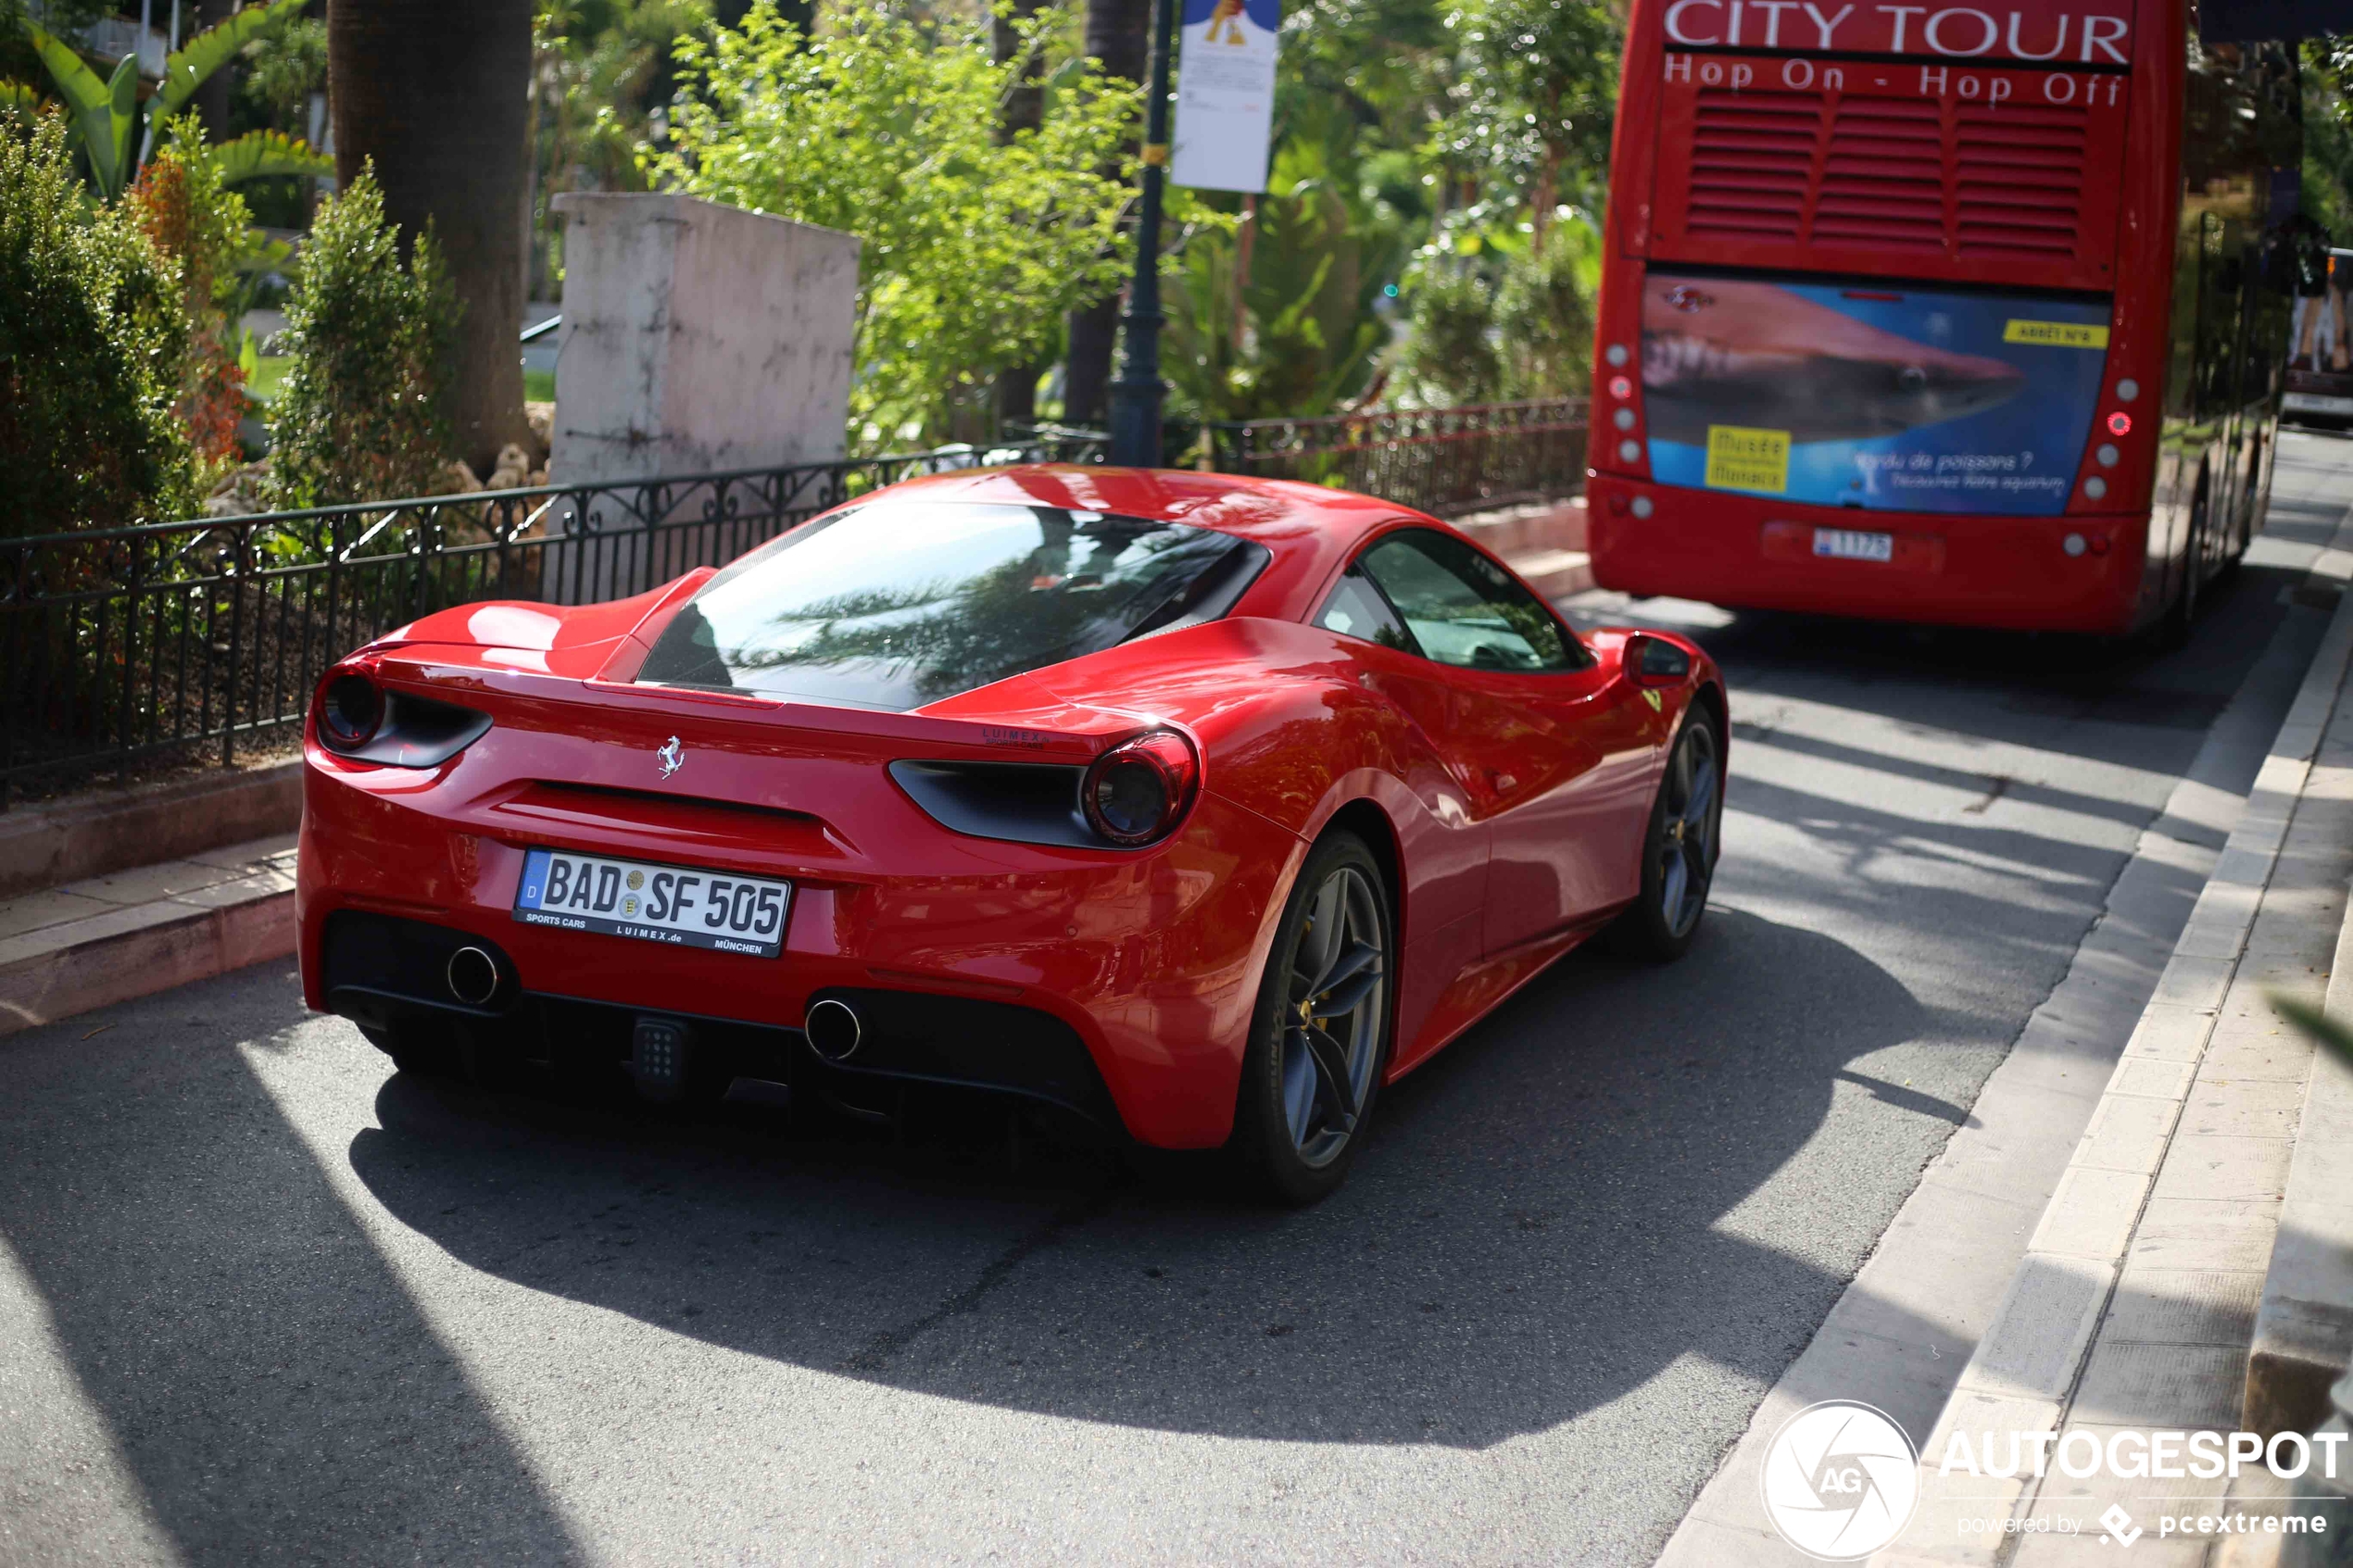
[893, 605]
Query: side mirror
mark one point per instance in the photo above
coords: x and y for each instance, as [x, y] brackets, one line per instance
[1654, 661]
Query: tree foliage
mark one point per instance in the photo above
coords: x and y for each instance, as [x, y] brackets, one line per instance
[282, 70]
[1310, 336]
[92, 342]
[886, 127]
[1534, 84]
[363, 412]
[2328, 135]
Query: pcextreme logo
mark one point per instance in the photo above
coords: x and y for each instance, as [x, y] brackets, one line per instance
[1840, 1480]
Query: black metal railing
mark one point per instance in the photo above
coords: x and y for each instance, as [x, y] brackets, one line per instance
[174, 642]
[1446, 461]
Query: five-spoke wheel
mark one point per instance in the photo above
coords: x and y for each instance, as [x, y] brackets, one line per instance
[1679, 848]
[1322, 1038]
[1338, 984]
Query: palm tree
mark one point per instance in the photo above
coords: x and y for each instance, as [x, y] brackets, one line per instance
[1024, 110]
[1119, 34]
[434, 94]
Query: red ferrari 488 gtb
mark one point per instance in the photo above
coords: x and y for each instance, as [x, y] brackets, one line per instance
[1198, 806]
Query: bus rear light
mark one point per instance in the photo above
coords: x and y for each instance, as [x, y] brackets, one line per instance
[1629, 451]
[2120, 422]
[1643, 507]
[1617, 355]
[1623, 419]
[2096, 487]
[1621, 388]
[2126, 390]
[2074, 544]
[2106, 455]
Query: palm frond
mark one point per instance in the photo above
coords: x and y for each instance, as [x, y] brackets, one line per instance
[211, 49]
[258, 154]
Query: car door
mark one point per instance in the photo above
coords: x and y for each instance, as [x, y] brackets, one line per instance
[1554, 747]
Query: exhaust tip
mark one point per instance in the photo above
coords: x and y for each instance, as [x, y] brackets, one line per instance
[833, 1028]
[473, 976]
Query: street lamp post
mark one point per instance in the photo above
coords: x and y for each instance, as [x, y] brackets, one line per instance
[1136, 395]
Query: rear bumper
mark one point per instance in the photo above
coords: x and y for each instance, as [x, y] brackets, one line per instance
[2008, 572]
[387, 973]
[1148, 962]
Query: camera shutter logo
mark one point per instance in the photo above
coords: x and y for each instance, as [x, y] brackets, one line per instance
[1840, 1480]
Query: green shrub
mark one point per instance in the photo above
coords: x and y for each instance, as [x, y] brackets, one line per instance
[1503, 321]
[363, 415]
[91, 346]
[1449, 357]
[1544, 313]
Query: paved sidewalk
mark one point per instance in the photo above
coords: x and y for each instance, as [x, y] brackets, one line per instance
[65, 950]
[2135, 1304]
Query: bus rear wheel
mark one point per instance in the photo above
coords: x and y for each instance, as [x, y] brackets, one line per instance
[2182, 619]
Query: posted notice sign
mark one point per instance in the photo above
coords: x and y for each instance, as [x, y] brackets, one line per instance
[1225, 95]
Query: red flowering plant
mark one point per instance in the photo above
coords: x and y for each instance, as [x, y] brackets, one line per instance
[184, 206]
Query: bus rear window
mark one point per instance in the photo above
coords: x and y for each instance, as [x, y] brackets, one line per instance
[1871, 395]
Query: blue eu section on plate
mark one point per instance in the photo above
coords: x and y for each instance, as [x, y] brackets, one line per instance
[684, 906]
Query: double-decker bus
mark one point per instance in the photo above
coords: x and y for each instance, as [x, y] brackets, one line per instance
[1939, 313]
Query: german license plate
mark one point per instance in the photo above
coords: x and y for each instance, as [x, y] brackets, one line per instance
[1849, 544]
[678, 905]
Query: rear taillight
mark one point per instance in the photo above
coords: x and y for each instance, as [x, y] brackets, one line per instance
[357, 716]
[1138, 791]
[351, 706]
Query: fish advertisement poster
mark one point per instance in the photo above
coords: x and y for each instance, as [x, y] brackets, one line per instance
[1888, 399]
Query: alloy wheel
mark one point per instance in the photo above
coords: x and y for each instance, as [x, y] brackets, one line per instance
[1333, 1013]
[1686, 844]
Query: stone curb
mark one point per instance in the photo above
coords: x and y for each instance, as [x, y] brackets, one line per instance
[111, 831]
[135, 949]
[2029, 1363]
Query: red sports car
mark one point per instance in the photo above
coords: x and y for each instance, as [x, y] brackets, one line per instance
[1199, 807]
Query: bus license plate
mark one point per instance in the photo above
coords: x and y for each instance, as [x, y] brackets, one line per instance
[680, 905]
[1848, 544]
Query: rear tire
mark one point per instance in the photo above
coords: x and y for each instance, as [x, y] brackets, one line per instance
[1320, 1037]
[1680, 847]
[2182, 620]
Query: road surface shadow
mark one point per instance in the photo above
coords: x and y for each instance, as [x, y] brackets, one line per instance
[239, 1334]
[1533, 1230]
[2126, 702]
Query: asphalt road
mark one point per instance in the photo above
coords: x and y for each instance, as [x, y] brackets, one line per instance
[262, 1300]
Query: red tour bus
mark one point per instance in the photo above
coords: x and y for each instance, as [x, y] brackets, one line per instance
[1939, 314]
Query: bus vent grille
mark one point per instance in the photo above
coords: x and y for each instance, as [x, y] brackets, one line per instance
[2018, 179]
[1882, 176]
[1752, 162]
[1945, 183]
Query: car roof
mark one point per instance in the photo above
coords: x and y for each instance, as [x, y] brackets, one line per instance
[1277, 512]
